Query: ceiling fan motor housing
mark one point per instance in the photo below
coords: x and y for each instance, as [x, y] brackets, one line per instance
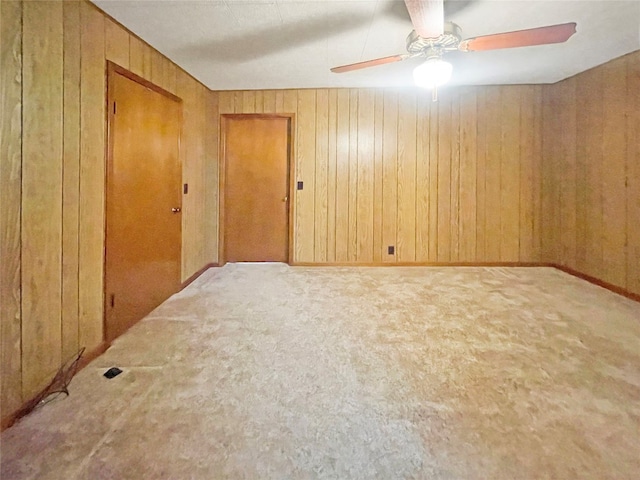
[418, 46]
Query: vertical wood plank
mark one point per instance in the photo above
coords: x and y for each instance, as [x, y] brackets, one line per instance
[171, 80]
[422, 178]
[434, 159]
[342, 176]
[406, 235]
[550, 197]
[187, 91]
[467, 207]
[633, 173]
[157, 68]
[332, 178]
[249, 101]
[290, 101]
[614, 156]
[510, 174]
[567, 178]
[527, 132]
[378, 178]
[352, 247]
[212, 123]
[594, 159]
[305, 171]
[537, 146]
[269, 101]
[390, 175]
[364, 215]
[280, 102]
[139, 57]
[445, 136]
[116, 43]
[259, 101]
[321, 175]
[492, 175]
[10, 205]
[481, 171]
[41, 194]
[71, 180]
[92, 175]
[455, 176]
[225, 103]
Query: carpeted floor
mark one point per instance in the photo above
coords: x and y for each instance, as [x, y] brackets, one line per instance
[269, 371]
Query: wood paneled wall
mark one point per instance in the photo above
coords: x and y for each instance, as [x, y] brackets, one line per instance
[448, 182]
[52, 173]
[592, 173]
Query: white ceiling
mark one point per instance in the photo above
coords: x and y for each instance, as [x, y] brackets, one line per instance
[270, 44]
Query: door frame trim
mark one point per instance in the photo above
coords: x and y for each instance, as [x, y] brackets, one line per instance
[222, 155]
[111, 70]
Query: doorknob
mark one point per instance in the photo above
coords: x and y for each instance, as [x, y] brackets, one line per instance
[285, 199]
[176, 210]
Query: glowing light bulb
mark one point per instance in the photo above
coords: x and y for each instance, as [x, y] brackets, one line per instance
[432, 73]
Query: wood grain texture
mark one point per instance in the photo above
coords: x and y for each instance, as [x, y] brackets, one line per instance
[493, 177]
[41, 194]
[525, 187]
[614, 162]
[633, 173]
[536, 132]
[71, 180]
[190, 175]
[116, 43]
[365, 161]
[342, 176]
[422, 178]
[591, 153]
[158, 75]
[510, 175]
[211, 172]
[140, 57]
[331, 174]
[62, 203]
[432, 188]
[321, 176]
[305, 161]
[390, 176]
[92, 175]
[10, 206]
[455, 174]
[406, 227]
[392, 168]
[481, 173]
[468, 165]
[352, 194]
[378, 249]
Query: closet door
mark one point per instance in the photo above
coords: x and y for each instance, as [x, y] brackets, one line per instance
[144, 197]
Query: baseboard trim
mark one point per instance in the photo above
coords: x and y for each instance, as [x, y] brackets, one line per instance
[596, 281]
[190, 280]
[422, 264]
[12, 418]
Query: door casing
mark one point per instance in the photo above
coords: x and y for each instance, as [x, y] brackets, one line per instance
[222, 176]
[114, 70]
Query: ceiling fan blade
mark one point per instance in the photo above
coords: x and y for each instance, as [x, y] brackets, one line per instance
[369, 63]
[427, 17]
[520, 38]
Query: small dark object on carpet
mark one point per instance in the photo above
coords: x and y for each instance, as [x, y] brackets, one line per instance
[112, 372]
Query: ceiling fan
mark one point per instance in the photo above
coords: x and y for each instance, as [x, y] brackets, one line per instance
[432, 37]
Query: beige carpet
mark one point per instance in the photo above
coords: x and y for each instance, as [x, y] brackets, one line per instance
[268, 371]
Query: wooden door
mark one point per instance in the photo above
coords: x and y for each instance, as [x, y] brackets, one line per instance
[143, 224]
[256, 208]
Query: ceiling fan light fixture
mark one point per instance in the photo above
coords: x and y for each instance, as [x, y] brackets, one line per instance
[432, 73]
